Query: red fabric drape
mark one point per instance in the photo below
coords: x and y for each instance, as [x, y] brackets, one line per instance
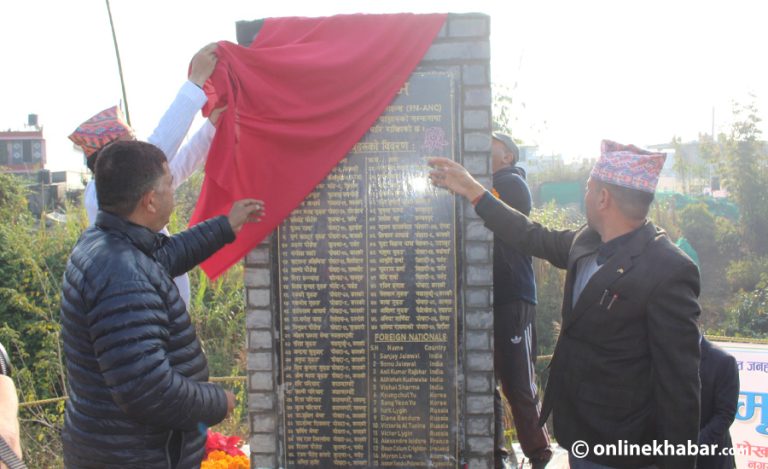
[298, 99]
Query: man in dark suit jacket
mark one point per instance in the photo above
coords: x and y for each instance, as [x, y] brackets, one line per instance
[719, 399]
[626, 364]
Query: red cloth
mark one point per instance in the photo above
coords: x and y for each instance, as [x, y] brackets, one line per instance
[298, 100]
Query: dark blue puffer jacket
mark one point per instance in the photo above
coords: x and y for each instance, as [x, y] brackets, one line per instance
[137, 374]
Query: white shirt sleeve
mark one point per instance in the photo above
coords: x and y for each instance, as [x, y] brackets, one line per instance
[168, 135]
[192, 155]
[174, 124]
[91, 202]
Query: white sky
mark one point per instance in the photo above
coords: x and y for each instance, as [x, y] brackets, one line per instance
[635, 72]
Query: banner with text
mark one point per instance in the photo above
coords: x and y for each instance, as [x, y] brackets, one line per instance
[749, 431]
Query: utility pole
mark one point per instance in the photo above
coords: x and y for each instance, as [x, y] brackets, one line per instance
[119, 63]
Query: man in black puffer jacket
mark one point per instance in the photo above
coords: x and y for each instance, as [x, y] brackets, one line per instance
[137, 375]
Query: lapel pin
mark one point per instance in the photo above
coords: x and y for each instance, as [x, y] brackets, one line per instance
[620, 270]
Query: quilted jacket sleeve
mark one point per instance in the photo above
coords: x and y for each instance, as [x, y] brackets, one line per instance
[129, 331]
[182, 252]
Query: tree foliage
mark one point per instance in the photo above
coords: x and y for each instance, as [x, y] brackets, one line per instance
[550, 280]
[745, 274]
[13, 202]
[688, 169]
[32, 260]
[745, 169]
[749, 316]
[699, 227]
[503, 115]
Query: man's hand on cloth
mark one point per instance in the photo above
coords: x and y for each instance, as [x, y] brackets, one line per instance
[245, 211]
[215, 114]
[203, 64]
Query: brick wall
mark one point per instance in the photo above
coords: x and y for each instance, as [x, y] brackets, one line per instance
[463, 44]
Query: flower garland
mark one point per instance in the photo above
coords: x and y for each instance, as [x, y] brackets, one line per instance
[222, 460]
[223, 452]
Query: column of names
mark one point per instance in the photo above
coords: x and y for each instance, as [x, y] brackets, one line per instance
[367, 268]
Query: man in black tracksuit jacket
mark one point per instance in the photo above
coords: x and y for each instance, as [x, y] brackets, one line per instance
[514, 315]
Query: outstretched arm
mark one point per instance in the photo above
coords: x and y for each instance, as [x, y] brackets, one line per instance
[192, 155]
[185, 250]
[175, 123]
[508, 224]
[450, 175]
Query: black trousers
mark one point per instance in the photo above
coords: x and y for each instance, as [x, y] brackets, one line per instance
[514, 332]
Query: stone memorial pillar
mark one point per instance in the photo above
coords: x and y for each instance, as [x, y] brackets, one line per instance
[369, 310]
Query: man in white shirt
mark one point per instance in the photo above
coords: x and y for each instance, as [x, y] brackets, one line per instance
[108, 126]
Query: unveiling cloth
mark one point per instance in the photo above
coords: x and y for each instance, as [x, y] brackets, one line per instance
[298, 99]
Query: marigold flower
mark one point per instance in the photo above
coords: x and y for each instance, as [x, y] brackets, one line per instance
[221, 460]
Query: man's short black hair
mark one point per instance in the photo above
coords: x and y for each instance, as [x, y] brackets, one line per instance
[125, 171]
[633, 203]
[90, 161]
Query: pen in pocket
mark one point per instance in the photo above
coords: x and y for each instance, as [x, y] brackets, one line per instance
[613, 299]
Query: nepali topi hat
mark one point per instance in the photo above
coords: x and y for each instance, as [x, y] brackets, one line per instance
[101, 129]
[628, 166]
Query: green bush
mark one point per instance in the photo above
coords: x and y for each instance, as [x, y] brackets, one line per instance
[550, 281]
[699, 227]
[32, 260]
[727, 238]
[749, 315]
[744, 274]
[665, 215]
